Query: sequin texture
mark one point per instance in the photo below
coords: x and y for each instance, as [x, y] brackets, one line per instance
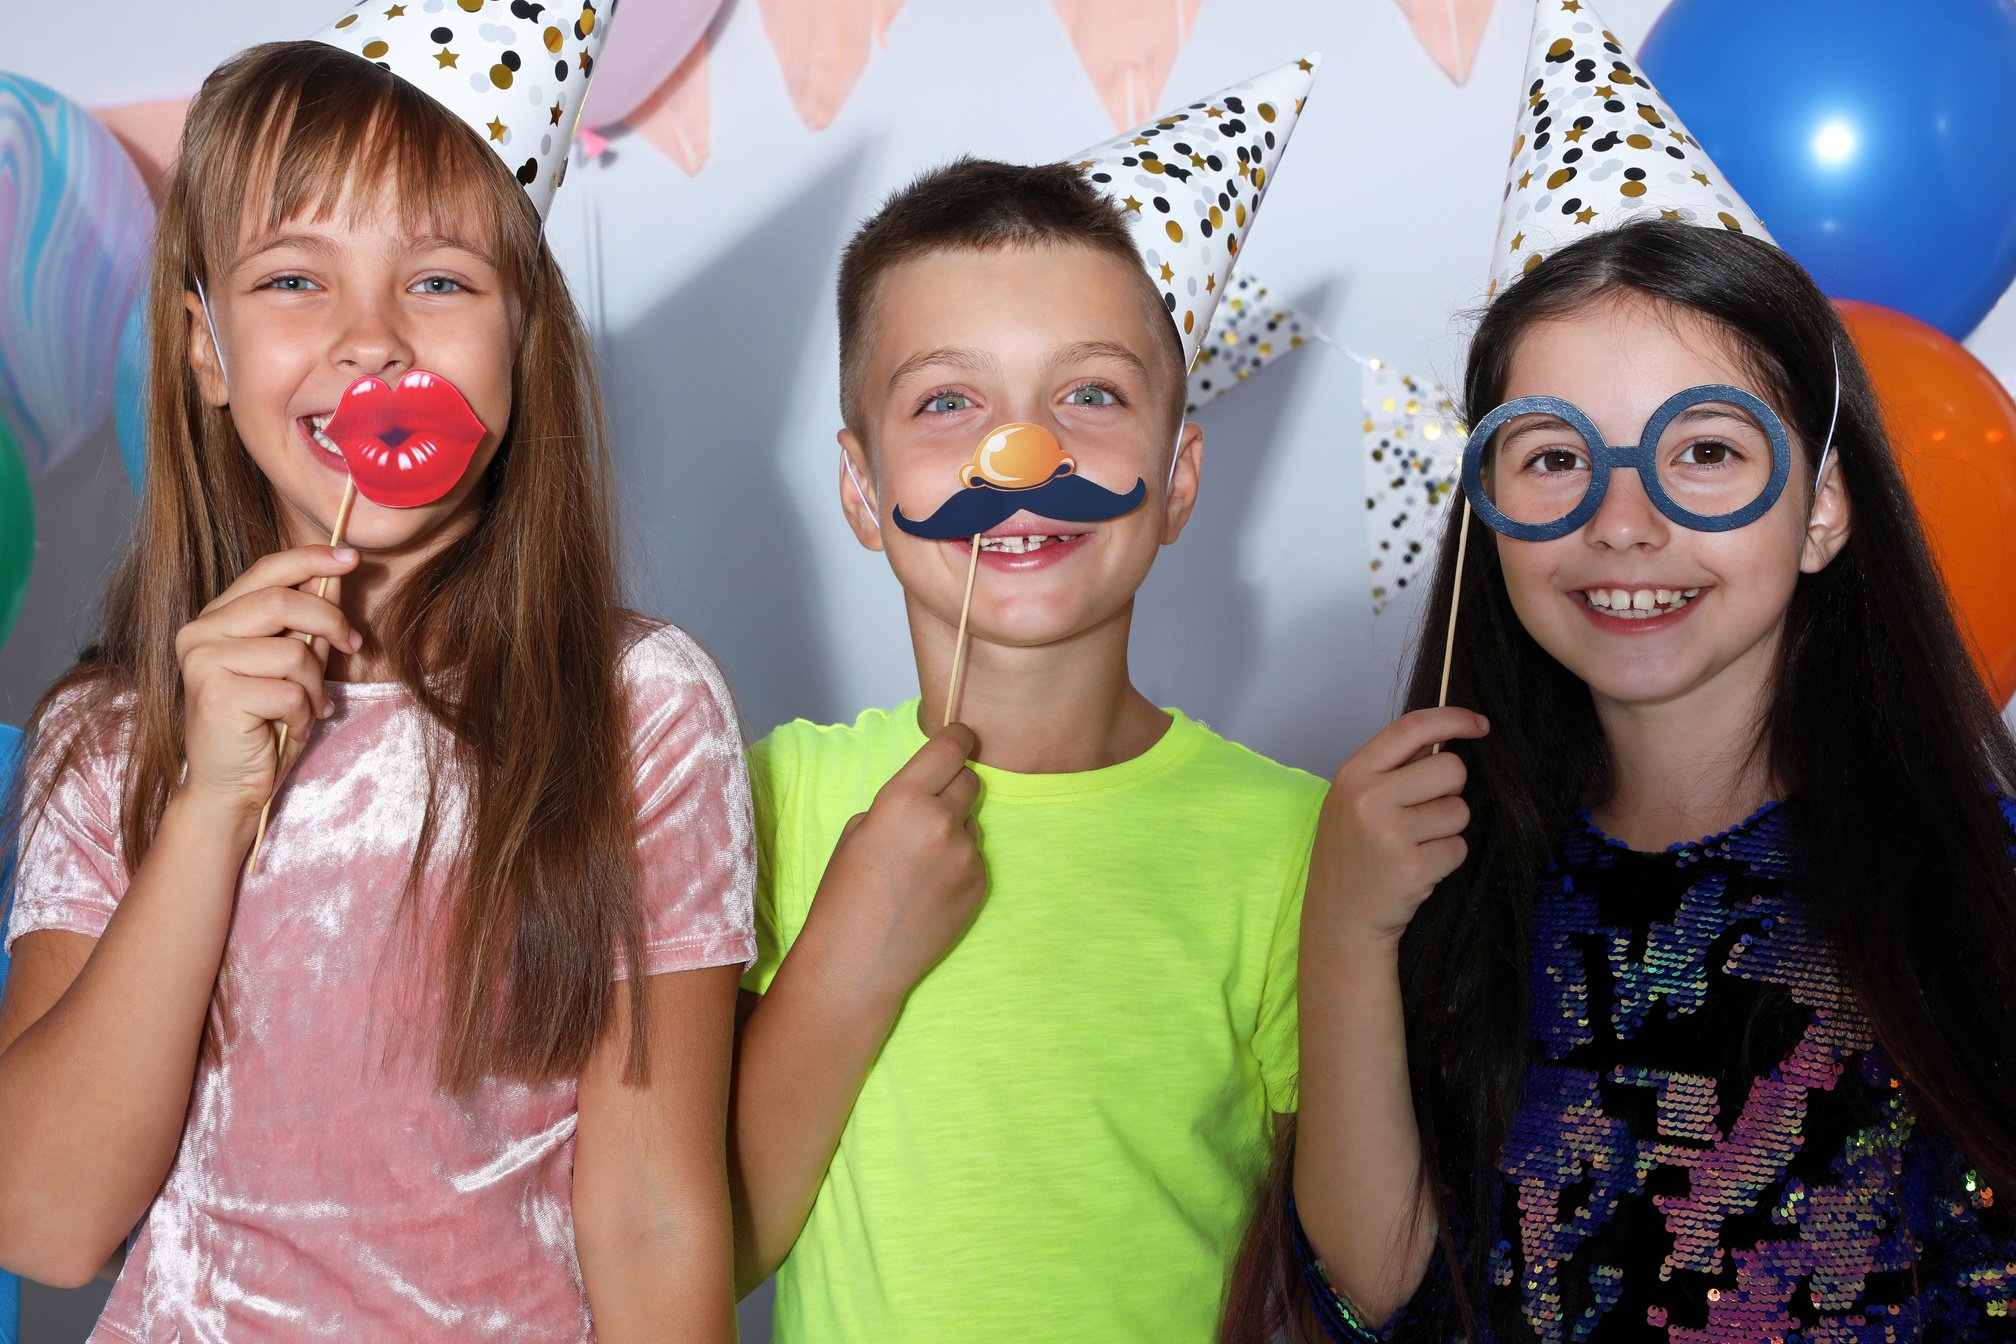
[1709, 1147]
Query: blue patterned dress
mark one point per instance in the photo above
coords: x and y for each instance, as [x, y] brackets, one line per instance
[1708, 1145]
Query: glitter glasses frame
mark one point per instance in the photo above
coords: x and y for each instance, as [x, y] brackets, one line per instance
[1605, 458]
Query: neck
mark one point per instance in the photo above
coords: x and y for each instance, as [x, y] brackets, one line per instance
[364, 593]
[1058, 708]
[1687, 767]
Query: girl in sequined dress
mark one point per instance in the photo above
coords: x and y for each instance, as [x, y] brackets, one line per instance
[1571, 1071]
[451, 1062]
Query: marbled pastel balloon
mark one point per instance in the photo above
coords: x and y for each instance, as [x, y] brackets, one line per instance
[129, 393]
[75, 225]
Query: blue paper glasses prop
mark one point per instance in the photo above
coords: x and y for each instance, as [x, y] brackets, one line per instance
[1698, 460]
[1550, 475]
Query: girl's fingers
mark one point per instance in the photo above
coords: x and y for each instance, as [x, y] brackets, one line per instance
[1428, 777]
[1411, 735]
[279, 611]
[287, 569]
[270, 700]
[1439, 818]
[277, 658]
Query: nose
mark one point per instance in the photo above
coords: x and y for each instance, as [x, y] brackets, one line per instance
[1017, 457]
[370, 341]
[1627, 517]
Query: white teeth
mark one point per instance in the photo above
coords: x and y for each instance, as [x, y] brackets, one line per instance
[1640, 603]
[316, 424]
[1018, 545]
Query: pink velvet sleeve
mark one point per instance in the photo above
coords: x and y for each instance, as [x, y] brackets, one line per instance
[695, 835]
[69, 876]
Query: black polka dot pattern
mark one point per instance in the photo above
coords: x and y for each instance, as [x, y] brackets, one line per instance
[1413, 468]
[516, 72]
[1250, 330]
[1191, 182]
[1597, 146]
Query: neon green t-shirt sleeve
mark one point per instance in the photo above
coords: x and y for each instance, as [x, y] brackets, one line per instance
[774, 929]
[1275, 1034]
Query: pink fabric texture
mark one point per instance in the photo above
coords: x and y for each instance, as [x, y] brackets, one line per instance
[324, 1189]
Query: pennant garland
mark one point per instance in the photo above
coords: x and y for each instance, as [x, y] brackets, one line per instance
[1248, 332]
[1451, 30]
[1127, 48]
[822, 46]
[1413, 466]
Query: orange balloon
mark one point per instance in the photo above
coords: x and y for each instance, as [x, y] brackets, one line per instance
[1954, 428]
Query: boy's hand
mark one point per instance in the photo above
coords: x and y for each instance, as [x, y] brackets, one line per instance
[906, 879]
[244, 669]
[1391, 828]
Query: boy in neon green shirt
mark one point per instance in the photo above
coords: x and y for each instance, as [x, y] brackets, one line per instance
[1018, 1029]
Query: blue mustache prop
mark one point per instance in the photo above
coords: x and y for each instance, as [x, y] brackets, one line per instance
[1067, 498]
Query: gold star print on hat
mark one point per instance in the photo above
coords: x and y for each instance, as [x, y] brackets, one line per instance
[515, 72]
[1598, 147]
[1191, 183]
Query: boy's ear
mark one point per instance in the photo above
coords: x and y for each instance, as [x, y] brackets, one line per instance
[859, 499]
[1184, 473]
[1830, 521]
[203, 360]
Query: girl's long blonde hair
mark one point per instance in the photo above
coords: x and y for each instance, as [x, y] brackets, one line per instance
[521, 611]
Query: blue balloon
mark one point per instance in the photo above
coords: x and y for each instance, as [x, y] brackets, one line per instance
[129, 392]
[1876, 141]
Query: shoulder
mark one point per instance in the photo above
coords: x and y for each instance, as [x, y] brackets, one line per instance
[1249, 779]
[875, 734]
[667, 676]
[79, 738]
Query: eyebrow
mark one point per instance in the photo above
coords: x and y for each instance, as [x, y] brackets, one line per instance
[1079, 351]
[950, 357]
[321, 246]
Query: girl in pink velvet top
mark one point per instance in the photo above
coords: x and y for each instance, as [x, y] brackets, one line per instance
[451, 1061]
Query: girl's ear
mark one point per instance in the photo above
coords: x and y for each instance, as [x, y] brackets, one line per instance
[1828, 524]
[1185, 470]
[203, 358]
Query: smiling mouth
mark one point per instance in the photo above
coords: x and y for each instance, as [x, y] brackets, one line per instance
[315, 425]
[1022, 545]
[1638, 604]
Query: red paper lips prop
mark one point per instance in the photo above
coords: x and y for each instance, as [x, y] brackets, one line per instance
[406, 443]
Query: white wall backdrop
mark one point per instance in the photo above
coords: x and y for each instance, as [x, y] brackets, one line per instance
[711, 300]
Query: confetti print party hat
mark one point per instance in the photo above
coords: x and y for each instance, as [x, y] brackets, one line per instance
[515, 72]
[1192, 181]
[1598, 147]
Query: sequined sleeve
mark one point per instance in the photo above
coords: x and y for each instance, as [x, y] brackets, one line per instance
[1967, 1272]
[1341, 1321]
[695, 837]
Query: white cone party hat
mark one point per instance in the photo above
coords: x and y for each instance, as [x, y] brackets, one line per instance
[514, 72]
[1598, 147]
[1191, 182]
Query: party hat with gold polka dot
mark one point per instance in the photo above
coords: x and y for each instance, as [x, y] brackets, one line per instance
[1191, 182]
[515, 72]
[1597, 147]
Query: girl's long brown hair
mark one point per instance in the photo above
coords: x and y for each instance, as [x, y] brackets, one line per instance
[509, 638]
[1879, 724]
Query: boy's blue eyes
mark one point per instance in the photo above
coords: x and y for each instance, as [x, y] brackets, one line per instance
[1091, 394]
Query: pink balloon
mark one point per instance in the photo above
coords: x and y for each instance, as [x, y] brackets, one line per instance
[652, 39]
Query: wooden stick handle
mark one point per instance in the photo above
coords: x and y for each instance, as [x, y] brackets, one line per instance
[280, 751]
[1455, 602]
[959, 647]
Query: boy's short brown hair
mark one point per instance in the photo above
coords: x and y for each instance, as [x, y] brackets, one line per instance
[982, 206]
